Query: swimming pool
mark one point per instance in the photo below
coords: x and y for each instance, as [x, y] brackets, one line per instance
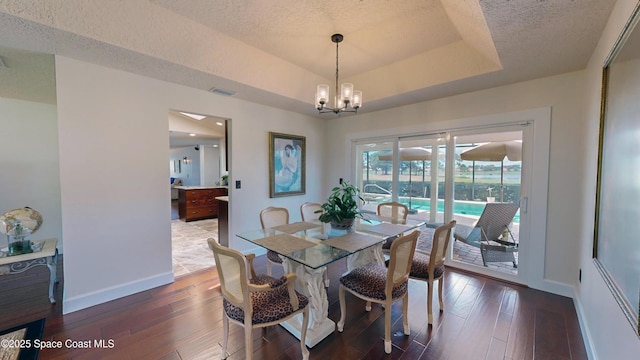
[459, 207]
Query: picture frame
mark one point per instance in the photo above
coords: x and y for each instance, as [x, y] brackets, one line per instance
[616, 250]
[287, 165]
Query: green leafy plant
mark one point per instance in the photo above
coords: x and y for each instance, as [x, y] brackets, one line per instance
[341, 204]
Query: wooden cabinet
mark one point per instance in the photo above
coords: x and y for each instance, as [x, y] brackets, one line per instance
[199, 203]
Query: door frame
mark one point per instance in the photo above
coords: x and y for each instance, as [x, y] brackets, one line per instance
[535, 181]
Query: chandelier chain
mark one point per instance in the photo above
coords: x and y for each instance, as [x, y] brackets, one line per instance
[336, 99]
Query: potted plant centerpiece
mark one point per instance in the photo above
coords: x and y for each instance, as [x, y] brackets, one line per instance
[341, 207]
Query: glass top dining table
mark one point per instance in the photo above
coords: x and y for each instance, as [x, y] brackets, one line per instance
[316, 244]
[306, 248]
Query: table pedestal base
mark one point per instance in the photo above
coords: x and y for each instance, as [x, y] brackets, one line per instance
[314, 335]
[310, 282]
[367, 256]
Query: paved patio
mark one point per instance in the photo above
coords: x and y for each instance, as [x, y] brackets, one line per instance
[464, 253]
[461, 252]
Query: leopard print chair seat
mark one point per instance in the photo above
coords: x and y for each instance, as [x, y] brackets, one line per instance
[273, 257]
[376, 283]
[370, 281]
[420, 268]
[268, 306]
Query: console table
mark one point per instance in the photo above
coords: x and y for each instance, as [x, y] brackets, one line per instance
[46, 256]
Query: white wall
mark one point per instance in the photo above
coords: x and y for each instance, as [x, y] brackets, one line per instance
[209, 165]
[189, 173]
[610, 334]
[29, 163]
[117, 231]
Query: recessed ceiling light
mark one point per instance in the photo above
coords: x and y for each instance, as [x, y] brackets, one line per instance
[193, 116]
[215, 145]
[219, 123]
[192, 134]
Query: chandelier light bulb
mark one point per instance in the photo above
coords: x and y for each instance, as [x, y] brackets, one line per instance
[347, 92]
[357, 99]
[322, 94]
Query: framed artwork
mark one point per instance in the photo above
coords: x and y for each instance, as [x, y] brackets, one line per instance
[616, 249]
[287, 165]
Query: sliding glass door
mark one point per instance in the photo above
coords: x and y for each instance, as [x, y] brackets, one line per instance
[488, 170]
[450, 175]
[422, 164]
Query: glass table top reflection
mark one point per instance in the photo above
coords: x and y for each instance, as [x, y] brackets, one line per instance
[315, 244]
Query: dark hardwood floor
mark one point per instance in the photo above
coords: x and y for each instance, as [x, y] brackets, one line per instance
[483, 319]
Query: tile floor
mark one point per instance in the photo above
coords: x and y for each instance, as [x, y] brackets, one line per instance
[189, 245]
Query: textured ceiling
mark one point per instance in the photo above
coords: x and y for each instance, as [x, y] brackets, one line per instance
[276, 52]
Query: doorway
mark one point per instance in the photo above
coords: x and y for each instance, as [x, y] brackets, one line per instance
[197, 159]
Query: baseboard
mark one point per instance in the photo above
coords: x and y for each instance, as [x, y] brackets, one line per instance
[556, 287]
[584, 329]
[98, 297]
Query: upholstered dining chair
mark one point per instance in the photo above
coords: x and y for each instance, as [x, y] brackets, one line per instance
[270, 217]
[308, 211]
[255, 301]
[393, 210]
[377, 283]
[430, 267]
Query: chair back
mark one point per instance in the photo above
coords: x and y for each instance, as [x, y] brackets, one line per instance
[274, 216]
[308, 211]
[401, 256]
[441, 238]
[232, 270]
[494, 219]
[393, 210]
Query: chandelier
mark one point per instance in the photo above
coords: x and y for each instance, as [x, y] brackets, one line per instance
[348, 100]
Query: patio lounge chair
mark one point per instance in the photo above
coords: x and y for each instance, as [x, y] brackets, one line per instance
[487, 233]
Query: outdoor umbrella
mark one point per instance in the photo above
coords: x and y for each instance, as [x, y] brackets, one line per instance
[409, 154]
[495, 151]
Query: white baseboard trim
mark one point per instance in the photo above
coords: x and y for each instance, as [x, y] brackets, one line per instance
[584, 329]
[101, 296]
[555, 287]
